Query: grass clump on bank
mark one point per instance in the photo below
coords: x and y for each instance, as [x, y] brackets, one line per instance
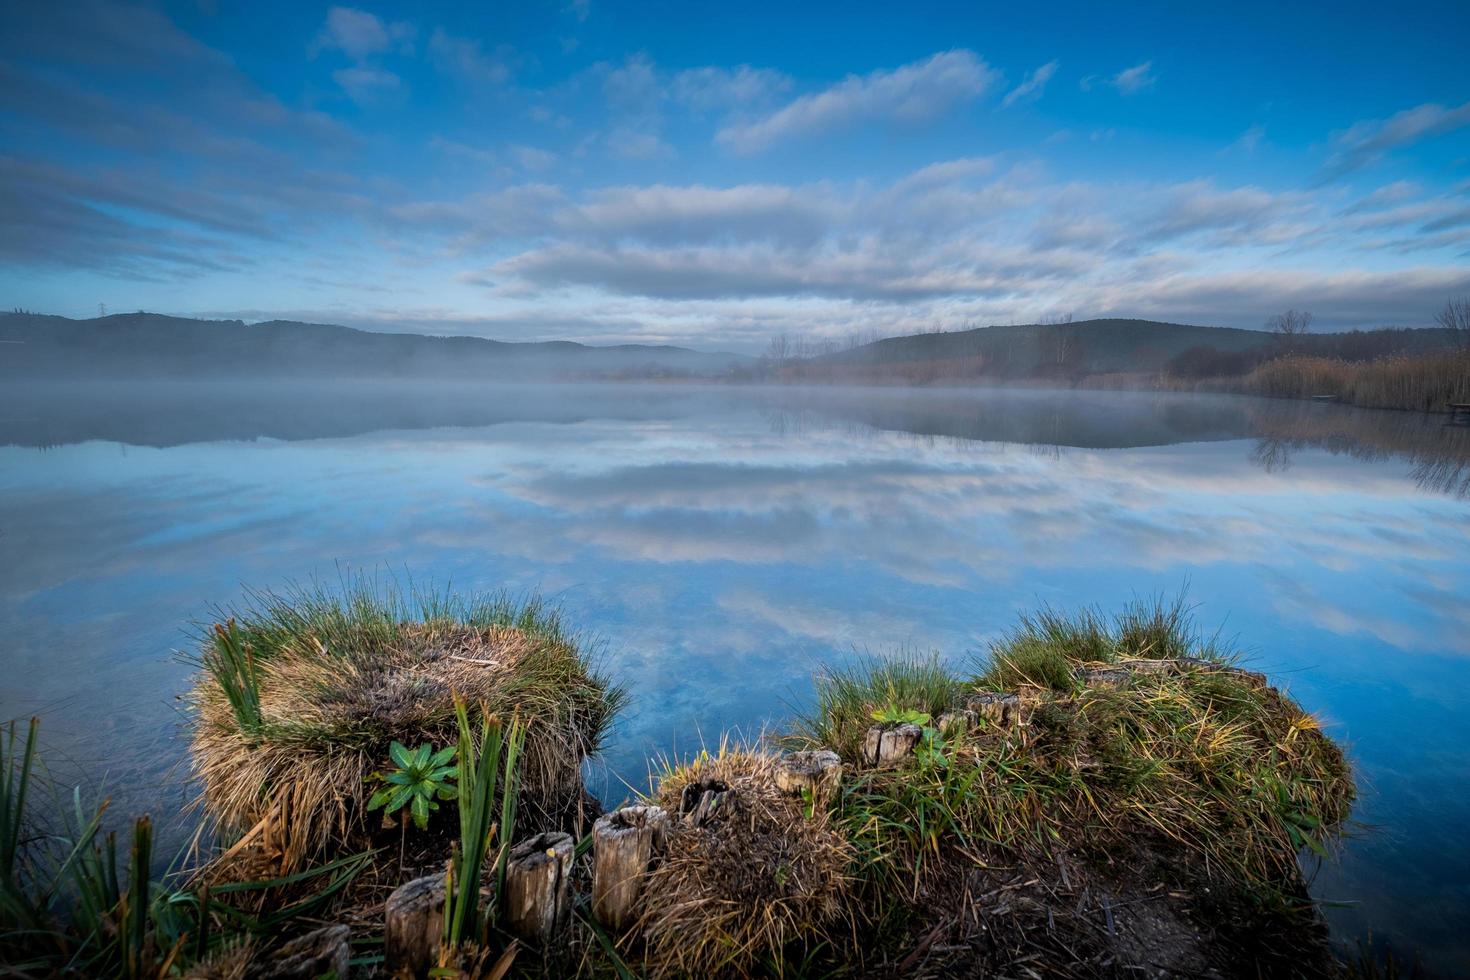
[1131, 743]
[302, 694]
[762, 875]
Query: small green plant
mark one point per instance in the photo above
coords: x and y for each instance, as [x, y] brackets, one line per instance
[932, 750]
[487, 760]
[892, 714]
[421, 779]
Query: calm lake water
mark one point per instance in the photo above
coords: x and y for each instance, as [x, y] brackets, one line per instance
[725, 542]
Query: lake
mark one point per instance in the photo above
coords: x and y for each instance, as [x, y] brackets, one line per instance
[723, 543]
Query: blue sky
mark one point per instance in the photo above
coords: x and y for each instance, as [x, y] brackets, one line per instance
[715, 174]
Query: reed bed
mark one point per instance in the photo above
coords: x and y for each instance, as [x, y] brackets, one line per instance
[1413, 382]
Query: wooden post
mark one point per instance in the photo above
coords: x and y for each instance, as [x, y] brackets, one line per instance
[1103, 677]
[886, 745]
[818, 772]
[321, 952]
[951, 720]
[413, 927]
[1250, 678]
[702, 800]
[624, 844]
[538, 886]
[1150, 666]
[1002, 709]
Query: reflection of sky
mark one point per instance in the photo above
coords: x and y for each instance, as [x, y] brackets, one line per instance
[720, 557]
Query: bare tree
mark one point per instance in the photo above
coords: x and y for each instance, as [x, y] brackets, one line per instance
[1455, 317]
[1289, 327]
[779, 349]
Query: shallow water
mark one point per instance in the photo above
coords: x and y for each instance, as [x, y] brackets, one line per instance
[724, 542]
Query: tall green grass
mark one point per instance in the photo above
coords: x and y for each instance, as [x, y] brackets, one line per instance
[847, 698]
[77, 902]
[484, 761]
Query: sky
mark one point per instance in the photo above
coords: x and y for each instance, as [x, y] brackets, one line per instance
[713, 175]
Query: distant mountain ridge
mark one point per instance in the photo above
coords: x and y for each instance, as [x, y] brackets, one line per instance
[151, 345]
[138, 346]
[1090, 347]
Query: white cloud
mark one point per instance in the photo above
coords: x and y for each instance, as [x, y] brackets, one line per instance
[1030, 90]
[912, 93]
[713, 88]
[1250, 140]
[630, 144]
[1365, 142]
[466, 58]
[365, 84]
[1132, 80]
[359, 34]
[531, 157]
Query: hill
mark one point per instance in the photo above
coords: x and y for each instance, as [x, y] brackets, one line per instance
[1072, 351]
[150, 345]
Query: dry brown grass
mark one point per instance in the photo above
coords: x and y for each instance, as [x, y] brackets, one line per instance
[334, 695]
[760, 878]
[1416, 382]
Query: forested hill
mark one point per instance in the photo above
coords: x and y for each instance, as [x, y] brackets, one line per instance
[1105, 346]
[148, 345]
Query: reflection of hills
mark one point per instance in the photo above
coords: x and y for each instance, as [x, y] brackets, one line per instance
[170, 414]
[1439, 453]
[1073, 418]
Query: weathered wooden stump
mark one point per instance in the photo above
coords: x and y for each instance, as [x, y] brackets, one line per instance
[321, 952]
[700, 802]
[961, 717]
[886, 745]
[1195, 663]
[538, 886]
[818, 772]
[1151, 667]
[413, 925]
[1251, 678]
[1002, 709]
[1103, 677]
[624, 845]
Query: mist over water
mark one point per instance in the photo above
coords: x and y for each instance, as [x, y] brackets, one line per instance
[721, 543]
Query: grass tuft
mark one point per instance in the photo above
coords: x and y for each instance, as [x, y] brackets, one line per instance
[330, 679]
[757, 883]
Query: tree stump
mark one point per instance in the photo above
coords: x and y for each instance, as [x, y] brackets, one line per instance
[702, 801]
[951, 720]
[1251, 678]
[1151, 667]
[413, 926]
[1196, 663]
[1103, 677]
[321, 952]
[818, 772]
[1002, 709]
[624, 845]
[886, 745]
[538, 886]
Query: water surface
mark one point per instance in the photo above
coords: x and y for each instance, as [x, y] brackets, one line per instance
[724, 542]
